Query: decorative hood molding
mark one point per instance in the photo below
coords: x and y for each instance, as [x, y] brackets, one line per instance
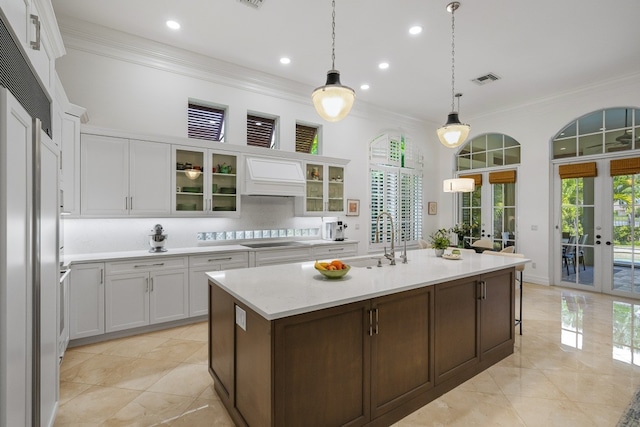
[269, 176]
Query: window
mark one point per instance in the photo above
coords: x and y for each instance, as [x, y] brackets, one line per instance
[206, 122]
[604, 131]
[489, 150]
[396, 190]
[307, 138]
[261, 131]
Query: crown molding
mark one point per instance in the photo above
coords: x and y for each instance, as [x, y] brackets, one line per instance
[98, 40]
[48, 20]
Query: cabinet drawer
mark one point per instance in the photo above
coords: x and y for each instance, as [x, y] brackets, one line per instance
[224, 259]
[282, 256]
[146, 264]
[335, 251]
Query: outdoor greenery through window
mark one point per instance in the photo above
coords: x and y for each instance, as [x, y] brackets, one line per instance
[205, 122]
[261, 131]
[306, 139]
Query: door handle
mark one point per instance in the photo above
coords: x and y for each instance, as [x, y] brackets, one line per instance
[607, 243]
[35, 44]
[597, 242]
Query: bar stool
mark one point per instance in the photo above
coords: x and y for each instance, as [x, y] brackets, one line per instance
[519, 269]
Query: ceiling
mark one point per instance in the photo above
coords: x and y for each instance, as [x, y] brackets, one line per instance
[538, 48]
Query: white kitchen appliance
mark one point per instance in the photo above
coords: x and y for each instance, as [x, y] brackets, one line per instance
[334, 230]
[29, 269]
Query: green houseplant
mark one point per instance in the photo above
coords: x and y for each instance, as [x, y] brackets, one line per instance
[439, 240]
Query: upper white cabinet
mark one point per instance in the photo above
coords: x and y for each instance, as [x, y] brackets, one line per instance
[324, 191]
[205, 182]
[122, 177]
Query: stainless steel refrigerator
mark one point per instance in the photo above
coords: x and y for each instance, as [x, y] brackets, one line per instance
[29, 269]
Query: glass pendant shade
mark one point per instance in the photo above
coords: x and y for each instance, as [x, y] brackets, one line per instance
[192, 173]
[453, 133]
[459, 185]
[333, 101]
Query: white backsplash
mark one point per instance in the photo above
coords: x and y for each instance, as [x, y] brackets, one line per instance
[131, 234]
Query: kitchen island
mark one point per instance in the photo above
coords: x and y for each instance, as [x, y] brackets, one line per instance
[288, 347]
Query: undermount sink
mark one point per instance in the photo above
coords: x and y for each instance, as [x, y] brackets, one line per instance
[271, 244]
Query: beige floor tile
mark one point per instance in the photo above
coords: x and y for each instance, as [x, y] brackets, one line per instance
[150, 409]
[596, 388]
[95, 405]
[556, 413]
[74, 358]
[525, 382]
[200, 357]
[172, 349]
[195, 332]
[135, 346]
[185, 380]
[69, 390]
[138, 374]
[601, 415]
[94, 370]
[204, 413]
[96, 348]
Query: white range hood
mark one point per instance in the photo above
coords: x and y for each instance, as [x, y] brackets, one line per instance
[270, 176]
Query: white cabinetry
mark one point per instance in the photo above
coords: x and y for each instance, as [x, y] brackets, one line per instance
[199, 265]
[205, 182]
[86, 300]
[282, 256]
[124, 177]
[324, 191]
[144, 292]
[335, 251]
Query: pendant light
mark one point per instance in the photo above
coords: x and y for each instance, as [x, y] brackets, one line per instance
[453, 133]
[459, 185]
[333, 101]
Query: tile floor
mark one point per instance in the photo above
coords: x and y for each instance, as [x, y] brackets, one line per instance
[565, 371]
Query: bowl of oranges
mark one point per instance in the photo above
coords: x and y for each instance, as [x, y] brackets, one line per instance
[335, 269]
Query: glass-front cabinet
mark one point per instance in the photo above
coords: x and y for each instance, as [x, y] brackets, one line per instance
[205, 182]
[324, 190]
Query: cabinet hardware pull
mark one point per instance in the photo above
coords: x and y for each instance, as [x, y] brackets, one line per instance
[126, 203]
[483, 288]
[147, 287]
[152, 284]
[336, 250]
[35, 45]
[159, 264]
[131, 202]
[219, 259]
[101, 276]
[376, 328]
[370, 322]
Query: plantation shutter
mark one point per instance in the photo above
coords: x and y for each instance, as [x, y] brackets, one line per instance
[384, 198]
[411, 205]
[205, 122]
[305, 135]
[260, 131]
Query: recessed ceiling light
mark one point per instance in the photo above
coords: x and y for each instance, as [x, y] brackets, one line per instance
[383, 65]
[416, 29]
[284, 60]
[364, 86]
[173, 25]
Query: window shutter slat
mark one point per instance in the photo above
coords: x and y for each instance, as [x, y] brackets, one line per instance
[205, 122]
[625, 166]
[260, 131]
[305, 135]
[578, 170]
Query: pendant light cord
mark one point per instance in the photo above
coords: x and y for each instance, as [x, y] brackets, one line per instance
[333, 36]
[453, 56]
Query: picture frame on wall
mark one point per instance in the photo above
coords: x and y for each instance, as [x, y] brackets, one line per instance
[432, 208]
[353, 207]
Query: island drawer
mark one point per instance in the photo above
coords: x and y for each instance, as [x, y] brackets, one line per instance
[335, 251]
[224, 259]
[282, 256]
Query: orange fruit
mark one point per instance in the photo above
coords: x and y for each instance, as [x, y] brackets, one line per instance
[337, 263]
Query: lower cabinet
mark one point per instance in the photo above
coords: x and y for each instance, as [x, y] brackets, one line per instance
[199, 265]
[86, 300]
[146, 292]
[365, 363]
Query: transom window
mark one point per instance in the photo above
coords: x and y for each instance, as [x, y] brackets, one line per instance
[206, 122]
[604, 131]
[488, 150]
[261, 131]
[306, 138]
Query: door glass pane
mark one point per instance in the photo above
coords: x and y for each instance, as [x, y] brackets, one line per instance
[494, 141]
[495, 158]
[626, 234]
[577, 231]
[591, 123]
[504, 215]
[471, 213]
[512, 156]
[590, 144]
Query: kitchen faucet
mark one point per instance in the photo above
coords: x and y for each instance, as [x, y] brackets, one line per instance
[390, 256]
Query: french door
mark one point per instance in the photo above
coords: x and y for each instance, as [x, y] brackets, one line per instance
[597, 228]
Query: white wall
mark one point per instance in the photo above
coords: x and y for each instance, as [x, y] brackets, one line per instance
[140, 91]
[533, 126]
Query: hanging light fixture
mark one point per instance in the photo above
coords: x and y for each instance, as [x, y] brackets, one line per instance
[459, 185]
[333, 101]
[453, 133]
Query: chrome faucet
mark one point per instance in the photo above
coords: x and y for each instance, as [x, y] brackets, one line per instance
[392, 255]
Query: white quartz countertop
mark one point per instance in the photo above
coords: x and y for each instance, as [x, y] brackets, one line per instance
[125, 255]
[284, 290]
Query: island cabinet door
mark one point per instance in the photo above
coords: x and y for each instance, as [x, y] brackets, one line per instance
[456, 327]
[497, 314]
[401, 348]
[322, 367]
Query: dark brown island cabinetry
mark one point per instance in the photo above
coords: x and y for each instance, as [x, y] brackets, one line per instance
[367, 363]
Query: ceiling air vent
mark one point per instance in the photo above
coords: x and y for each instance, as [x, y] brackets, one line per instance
[256, 4]
[487, 78]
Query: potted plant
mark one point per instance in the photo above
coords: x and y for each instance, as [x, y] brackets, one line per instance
[440, 240]
[462, 230]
